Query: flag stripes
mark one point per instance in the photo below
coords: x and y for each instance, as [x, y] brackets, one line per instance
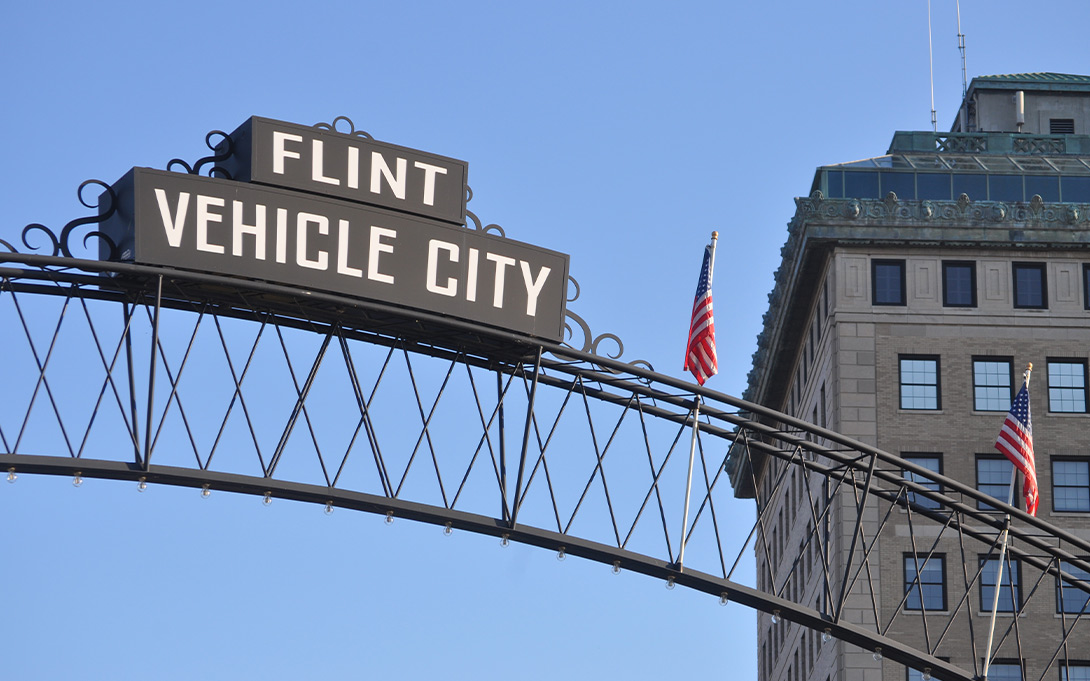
[700, 357]
[1015, 441]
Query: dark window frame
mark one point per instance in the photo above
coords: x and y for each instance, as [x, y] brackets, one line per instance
[951, 264]
[915, 674]
[1074, 664]
[1077, 664]
[1049, 361]
[1027, 266]
[1013, 569]
[914, 581]
[1086, 286]
[901, 382]
[915, 457]
[995, 360]
[874, 265]
[983, 505]
[1055, 486]
[1066, 607]
[1011, 661]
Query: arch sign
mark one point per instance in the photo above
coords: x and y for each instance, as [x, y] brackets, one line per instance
[329, 211]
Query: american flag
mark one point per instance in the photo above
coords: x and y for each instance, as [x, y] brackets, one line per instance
[1016, 442]
[700, 352]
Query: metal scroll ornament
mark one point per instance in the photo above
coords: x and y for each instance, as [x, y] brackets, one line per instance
[221, 149]
[332, 127]
[59, 245]
[492, 228]
[592, 343]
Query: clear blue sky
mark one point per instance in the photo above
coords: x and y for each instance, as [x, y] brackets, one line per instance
[621, 133]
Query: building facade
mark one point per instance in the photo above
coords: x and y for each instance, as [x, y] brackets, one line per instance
[915, 289]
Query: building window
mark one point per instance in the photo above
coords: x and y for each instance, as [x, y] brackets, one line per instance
[1010, 598]
[916, 674]
[1006, 670]
[1071, 485]
[888, 282]
[1067, 386]
[927, 589]
[1071, 599]
[993, 382]
[919, 382]
[959, 284]
[993, 477]
[1074, 671]
[1030, 285]
[933, 463]
[1086, 286]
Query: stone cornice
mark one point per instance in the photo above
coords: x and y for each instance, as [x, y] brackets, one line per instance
[821, 222]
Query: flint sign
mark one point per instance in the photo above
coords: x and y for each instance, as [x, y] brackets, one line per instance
[348, 167]
[320, 242]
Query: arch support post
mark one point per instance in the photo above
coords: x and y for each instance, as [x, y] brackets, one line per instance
[151, 371]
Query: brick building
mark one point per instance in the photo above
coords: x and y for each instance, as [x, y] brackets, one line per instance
[915, 288]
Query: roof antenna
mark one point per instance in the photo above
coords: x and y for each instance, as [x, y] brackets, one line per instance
[961, 48]
[931, 62]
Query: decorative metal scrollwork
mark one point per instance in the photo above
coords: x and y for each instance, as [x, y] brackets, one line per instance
[228, 148]
[59, 245]
[591, 343]
[332, 127]
[472, 217]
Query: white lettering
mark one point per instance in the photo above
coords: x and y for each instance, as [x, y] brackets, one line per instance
[280, 152]
[317, 164]
[241, 228]
[173, 225]
[430, 172]
[353, 168]
[471, 277]
[301, 222]
[379, 170]
[502, 263]
[451, 287]
[342, 251]
[374, 249]
[282, 235]
[533, 287]
[205, 216]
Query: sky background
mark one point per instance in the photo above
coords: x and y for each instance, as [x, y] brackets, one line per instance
[619, 133]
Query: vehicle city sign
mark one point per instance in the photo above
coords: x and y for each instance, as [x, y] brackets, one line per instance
[332, 212]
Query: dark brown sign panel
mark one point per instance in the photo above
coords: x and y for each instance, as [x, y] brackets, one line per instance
[349, 167]
[239, 229]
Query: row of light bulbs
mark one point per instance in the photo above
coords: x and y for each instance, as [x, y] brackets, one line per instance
[505, 540]
[206, 490]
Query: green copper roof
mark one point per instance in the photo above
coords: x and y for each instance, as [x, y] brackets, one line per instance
[1035, 78]
[1052, 82]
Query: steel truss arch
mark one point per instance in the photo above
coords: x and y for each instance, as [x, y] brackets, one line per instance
[118, 314]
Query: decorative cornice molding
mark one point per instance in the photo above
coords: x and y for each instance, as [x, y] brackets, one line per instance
[982, 223]
[817, 209]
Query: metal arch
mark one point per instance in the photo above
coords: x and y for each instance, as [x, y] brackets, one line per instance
[609, 392]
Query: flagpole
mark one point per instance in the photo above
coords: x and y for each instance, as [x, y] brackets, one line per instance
[1003, 551]
[692, 445]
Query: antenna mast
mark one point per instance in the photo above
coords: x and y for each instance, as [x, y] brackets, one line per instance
[931, 62]
[961, 48]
